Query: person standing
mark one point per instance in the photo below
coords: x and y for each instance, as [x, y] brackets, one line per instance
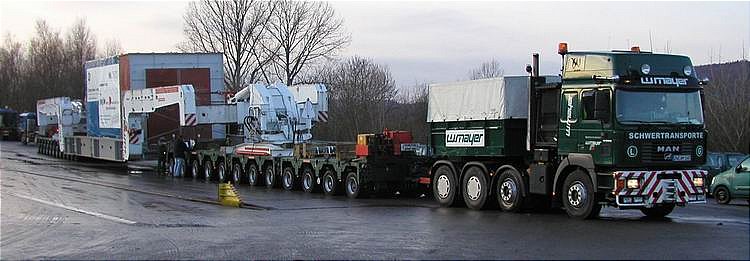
[179, 149]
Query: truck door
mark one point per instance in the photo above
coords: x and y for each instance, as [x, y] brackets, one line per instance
[594, 132]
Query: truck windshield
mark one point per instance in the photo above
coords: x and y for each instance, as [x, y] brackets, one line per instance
[658, 107]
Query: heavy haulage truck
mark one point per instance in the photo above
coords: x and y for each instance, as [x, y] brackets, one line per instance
[619, 128]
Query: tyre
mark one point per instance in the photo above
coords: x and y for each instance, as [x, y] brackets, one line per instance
[270, 177]
[475, 188]
[208, 168]
[353, 189]
[287, 178]
[658, 211]
[308, 181]
[578, 196]
[195, 169]
[722, 195]
[221, 172]
[236, 176]
[509, 190]
[253, 175]
[444, 187]
[330, 183]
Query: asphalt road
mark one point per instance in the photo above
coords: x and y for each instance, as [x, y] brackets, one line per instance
[57, 209]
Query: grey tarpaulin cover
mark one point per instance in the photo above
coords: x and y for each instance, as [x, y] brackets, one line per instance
[491, 99]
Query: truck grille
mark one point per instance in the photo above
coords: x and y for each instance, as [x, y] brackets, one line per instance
[650, 152]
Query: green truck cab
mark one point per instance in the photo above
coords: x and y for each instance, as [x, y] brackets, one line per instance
[619, 128]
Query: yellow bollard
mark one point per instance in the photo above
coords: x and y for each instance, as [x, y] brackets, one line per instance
[228, 196]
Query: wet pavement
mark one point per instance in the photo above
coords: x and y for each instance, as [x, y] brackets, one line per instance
[58, 209]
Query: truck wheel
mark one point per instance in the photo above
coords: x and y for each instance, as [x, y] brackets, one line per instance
[270, 177]
[308, 181]
[658, 211]
[252, 175]
[207, 169]
[578, 196]
[236, 173]
[287, 178]
[170, 166]
[722, 195]
[195, 169]
[352, 185]
[509, 190]
[330, 184]
[444, 187]
[475, 188]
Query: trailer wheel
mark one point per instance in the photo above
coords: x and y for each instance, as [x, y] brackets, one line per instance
[444, 187]
[236, 173]
[207, 169]
[579, 199]
[252, 175]
[658, 211]
[270, 177]
[475, 188]
[221, 172]
[308, 180]
[353, 188]
[195, 169]
[509, 191]
[330, 184]
[287, 178]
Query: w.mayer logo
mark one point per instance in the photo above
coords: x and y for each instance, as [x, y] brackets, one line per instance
[464, 138]
[664, 81]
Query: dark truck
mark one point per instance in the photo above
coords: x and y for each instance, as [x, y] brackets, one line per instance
[617, 128]
[8, 124]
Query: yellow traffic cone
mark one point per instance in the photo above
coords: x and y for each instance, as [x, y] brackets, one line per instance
[228, 195]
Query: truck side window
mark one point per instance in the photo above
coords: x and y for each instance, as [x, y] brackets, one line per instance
[587, 105]
[569, 114]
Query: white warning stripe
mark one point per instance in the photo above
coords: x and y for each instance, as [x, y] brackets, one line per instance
[323, 116]
[190, 120]
[74, 209]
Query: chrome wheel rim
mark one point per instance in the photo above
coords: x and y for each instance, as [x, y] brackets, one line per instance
[307, 181]
[287, 179]
[252, 177]
[269, 178]
[221, 174]
[473, 188]
[328, 183]
[443, 186]
[577, 194]
[236, 175]
[508, 190]
[207, 172]
[352, 185]
[196, 171]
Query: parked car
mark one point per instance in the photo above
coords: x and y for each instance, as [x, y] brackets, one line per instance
[732, 183]
[718, 162]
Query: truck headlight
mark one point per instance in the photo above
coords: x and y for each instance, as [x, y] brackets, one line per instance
[698, 181]
[633, 183]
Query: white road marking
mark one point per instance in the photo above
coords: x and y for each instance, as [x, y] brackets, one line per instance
[74, 209]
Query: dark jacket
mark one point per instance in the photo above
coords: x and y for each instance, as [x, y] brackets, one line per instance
[179, 148]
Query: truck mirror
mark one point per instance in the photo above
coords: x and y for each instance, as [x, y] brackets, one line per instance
[601, 105]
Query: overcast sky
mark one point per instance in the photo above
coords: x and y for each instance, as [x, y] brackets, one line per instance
[441, 41]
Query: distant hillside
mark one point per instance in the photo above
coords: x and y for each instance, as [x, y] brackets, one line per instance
[727, 98]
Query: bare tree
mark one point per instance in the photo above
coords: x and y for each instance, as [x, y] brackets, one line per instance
[304, 32]
[12, 63]
[80, 46]
[112, 47]
[488, 69]
[361, 95]
[726, 109]
[410, 112]
[236, 28]
[46, 59]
